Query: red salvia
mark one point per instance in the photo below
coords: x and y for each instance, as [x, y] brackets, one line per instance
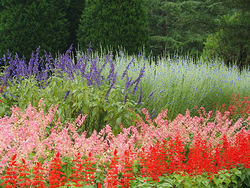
[11, 174]
[38, 180]
[54, 175]
[24, 181]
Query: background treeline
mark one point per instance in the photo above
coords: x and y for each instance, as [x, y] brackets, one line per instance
[197, 28]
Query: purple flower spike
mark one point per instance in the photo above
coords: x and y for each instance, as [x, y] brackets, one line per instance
[111, 86]
[137, 81]
[126, 70]
[150, 95]
[66, 95]
[140, 97]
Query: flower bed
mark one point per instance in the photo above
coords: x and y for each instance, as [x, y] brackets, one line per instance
[160, 160]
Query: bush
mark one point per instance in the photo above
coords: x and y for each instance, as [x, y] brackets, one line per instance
[110, 24]
[74, 13]
[25, 25]
[229, 42]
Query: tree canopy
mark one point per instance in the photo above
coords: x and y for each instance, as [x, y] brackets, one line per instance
[114, 24]
[26, 25]
[181, 26]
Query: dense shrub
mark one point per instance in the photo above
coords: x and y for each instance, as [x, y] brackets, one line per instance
[114, 23]
[73, 15]
[25, 25]
[230, 43]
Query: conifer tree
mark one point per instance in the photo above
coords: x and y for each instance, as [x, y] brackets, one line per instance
[114, 23]
[231, 41]
[181, 26]
[74, 13]
[27, 24]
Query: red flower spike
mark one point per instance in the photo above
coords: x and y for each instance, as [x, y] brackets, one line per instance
[54, 176]
[112, 174]
[38, 176]
[11, 174]
[57, 155]
[23, 179]
[14, 157]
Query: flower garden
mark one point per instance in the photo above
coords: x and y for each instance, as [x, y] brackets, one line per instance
[92, 121]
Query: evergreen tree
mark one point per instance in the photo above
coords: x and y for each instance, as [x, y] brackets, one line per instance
[114, 23]
[178, 25]
[231, 42]
[74, 13]
[27, 24]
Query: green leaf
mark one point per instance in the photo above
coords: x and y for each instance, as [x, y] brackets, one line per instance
[118, 120]
[94, 112]
[242, 177]
[86, 101]
[127, 115]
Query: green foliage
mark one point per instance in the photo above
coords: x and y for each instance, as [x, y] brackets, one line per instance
[25, 25]
[114, 24]
[237, 177]
[82, 99]
[243, 5]
[230, 43]
[180, 26]
[73, 15]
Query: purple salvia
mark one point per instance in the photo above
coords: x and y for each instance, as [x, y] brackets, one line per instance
[150, 94]
[45, 72]
[66, 95]
[111, 86]
[31, 62]
[4, 58]
[23, 68]
[65, 60]
[48, 58]
[36, 64]
[92, 70]
[128, 82]
[16, 66]
[140, 97]
[9, 69]
[136, 87]
[97, 73]
[137, 81]
[112, 70]
[101, 78]
[69, 50]
[104, 64]
[125, 99]
[6, 76]
[140, 75]
[126, 70]
[82, 66]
